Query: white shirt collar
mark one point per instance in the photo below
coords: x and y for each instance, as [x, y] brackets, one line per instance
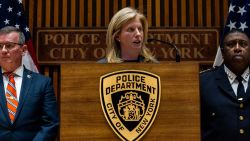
[17, 72]
[231, 76]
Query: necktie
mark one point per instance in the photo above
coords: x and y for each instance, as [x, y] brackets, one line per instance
[11, 97]
[240, 89]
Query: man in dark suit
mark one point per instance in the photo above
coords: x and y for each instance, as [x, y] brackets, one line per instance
[28, 107]
[225, 93]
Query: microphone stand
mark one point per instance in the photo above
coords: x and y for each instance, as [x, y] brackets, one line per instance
[177, 55]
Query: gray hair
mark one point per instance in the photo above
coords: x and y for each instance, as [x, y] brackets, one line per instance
[9, 29]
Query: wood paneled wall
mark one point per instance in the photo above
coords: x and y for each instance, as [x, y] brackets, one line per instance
[97, 14]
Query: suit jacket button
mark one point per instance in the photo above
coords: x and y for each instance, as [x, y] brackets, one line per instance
[242, 131]
[241, 105]
[241, 117]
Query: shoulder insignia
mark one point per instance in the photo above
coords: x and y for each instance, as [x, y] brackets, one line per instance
[209, 70]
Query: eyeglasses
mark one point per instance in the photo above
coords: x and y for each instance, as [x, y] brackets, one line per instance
[233, 43]
[9, 45]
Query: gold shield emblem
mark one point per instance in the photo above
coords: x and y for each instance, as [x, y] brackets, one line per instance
[130, 100]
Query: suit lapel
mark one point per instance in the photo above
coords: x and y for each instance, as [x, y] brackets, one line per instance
[26, 83]
[223, 82]
[3, 105]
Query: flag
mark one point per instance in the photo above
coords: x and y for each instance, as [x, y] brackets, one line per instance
[238, 18]
[12, 14]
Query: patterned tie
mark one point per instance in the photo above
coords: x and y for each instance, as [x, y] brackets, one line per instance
[240, 89]
[11, 97]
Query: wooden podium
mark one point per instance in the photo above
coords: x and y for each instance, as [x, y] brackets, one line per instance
[82, 118]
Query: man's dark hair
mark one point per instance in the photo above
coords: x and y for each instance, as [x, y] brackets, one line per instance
[232, 31]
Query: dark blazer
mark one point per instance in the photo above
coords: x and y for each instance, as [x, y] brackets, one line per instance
[37, 114]
[220, 109]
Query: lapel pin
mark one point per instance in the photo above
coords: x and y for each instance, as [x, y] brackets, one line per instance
[29, 76]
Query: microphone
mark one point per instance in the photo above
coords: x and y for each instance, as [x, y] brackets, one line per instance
[177, 55]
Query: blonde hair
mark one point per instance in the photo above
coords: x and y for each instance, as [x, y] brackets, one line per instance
[113, 54]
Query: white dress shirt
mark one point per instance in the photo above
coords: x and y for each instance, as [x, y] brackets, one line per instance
[234, 82]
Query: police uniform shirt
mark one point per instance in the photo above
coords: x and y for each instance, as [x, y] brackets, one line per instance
[234, 82]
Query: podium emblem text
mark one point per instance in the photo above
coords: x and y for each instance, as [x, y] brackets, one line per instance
[130, 100]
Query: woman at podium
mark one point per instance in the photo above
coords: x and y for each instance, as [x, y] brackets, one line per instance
[126, 37]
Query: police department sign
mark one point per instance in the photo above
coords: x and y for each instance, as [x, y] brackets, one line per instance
[78, 45]
[130, 100]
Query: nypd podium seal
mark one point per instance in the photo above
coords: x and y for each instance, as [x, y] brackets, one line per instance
[130, 100]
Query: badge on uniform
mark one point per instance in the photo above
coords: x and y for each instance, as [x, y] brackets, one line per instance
[130, 100]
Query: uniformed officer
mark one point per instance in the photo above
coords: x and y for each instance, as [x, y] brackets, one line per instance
[225, 96]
